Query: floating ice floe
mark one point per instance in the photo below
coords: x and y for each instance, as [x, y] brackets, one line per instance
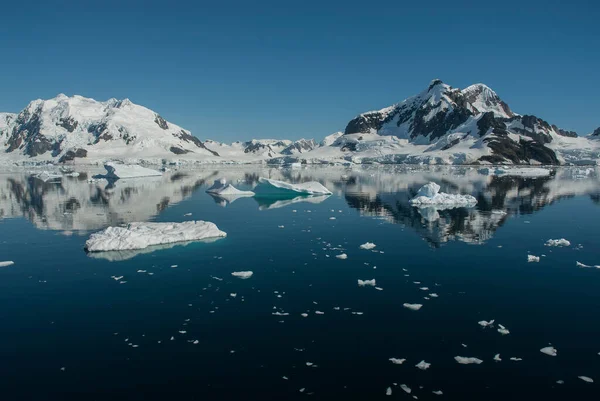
[438, 392]
[558, 242]
[397, 361]
[412, 306]
[549, 351]
[142, 235]
[342, 256]
[388, 391]
[368, 246]
[586, 379]
[116, 171]
[242, 275]
[497, 358]
[429, 195]
[47, 176]
[579, 264]
[423, 365]
[503, 330]
[406, 389]
[533, 258]
[6, 263]
[484, 324]
[268, 187]
[222, 188]
[363, 283]
[467, 360]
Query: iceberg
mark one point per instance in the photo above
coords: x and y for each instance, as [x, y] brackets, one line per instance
[423, 365]
[363, 283]
[549, 351]
[121, 255]
[7, 263]
[222, 188]
[274, 203]
[368, 246]
[467, 360]
[429, 195]
[533, 258]
[242, 275]
[116, 171]
[273, 188]
[47, 176]
[397, 361]
[558, 242]
[412, 306]
[143, 235]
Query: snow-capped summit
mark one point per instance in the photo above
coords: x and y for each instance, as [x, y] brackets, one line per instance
[595, 134]
[66, 128]
[481, 98]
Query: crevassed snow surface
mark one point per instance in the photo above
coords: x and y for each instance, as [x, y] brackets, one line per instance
[429, 195]
[142, 235]
[268, 187]
[116, 170]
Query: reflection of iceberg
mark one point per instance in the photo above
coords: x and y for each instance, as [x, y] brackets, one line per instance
[142, 235]
[116, 171]
[117, 256]
[280, 189]
[224, 200]
[48, 176]
[274, 203]
[429, 195]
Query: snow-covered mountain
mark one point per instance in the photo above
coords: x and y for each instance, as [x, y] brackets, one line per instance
[66, 128]
[441, 125]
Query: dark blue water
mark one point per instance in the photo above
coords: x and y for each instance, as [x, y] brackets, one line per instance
[70, 331]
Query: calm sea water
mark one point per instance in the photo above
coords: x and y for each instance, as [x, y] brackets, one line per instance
[178, 325]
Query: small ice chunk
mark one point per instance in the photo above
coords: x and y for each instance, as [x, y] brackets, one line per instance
[363, 283]
[424, 288]
[586, 379]
[532, 258]
[516, 359]
[497, 358]
[397, 361]
[304, 314]
[438, 392]
[342, 256]
[467, 360]
[549, 351]
[368, 246]
[233, 295]
[413, 306]
[318, 312]
[558, 242]
[7, 263]
[503, 330]
[406, 388]
[484, 324]
[423, 365]
[433, 295]
[243, 275]
[388, 391]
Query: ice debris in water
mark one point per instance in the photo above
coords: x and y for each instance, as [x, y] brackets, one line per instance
[406, 388]
[368, 246]
[438, 392]
[7, 263]
[467, 360]
[220, 187]
[497, 358]
[363, 283]
[342, 256]
[388, 391]
[586, 379]
[412, 306]
[516, 359]
[142, 235]
[579, 264]
[549, 351]
[423, 365]
[532, 258]
[503, 330]
[243, 275]
[558, 242]
[485, 324]
[397, 361]
[429, 194]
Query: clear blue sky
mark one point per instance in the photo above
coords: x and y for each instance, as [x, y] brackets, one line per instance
[231, 70]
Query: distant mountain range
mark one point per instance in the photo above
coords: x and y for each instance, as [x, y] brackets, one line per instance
[441, 125]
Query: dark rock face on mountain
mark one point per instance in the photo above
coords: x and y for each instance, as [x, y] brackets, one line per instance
[447, 116]
[596, 133]
[300, 146]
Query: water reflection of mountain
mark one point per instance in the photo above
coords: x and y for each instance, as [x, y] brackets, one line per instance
[74, 204]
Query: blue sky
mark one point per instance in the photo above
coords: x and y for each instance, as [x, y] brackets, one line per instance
[238, 70]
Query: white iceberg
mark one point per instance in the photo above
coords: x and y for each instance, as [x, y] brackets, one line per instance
[48, 176]
[342, 256]
[579, 264]
[467, 360]
[533, 258]
[586, 379]
[397, 361]
[222, 188]
[363, 283]
[268, 187]
[142, 235]
[549, 351]
[484, 324]
[368, 246]
[413, 306]
[266, 203]
[429, 195]
[116, 170]
[558, 242]
[406, 389]
[6, 263]
[497, 358]
[242, 275]
[423, 365]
